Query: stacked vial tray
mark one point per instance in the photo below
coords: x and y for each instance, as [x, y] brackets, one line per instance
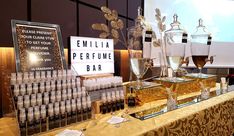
[45, 100]
[108, 90]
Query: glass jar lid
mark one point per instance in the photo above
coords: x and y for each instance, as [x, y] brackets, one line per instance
[201, 35]
[175, 34]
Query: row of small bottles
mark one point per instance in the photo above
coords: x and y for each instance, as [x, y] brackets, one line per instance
[39, 99]
[37, 76]
[33, 88]
[112, 101]
[102, 83]
[46, 117]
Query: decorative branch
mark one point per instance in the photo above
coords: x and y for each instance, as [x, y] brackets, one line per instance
[114, 30]
[161, 25]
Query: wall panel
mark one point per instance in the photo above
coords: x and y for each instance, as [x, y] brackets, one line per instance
[61, 12]
[10, 9]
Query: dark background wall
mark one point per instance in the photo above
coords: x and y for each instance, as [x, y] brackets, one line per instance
[75, 17]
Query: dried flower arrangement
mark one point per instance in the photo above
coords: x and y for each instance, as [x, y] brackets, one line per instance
[114, 29]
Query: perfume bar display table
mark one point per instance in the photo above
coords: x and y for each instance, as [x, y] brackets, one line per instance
[214, 116]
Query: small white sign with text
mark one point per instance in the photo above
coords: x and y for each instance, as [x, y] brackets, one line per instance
[90, 56]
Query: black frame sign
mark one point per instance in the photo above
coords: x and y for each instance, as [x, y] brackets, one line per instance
[38, 46]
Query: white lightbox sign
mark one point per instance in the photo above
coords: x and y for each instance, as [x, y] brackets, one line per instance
[90, 56]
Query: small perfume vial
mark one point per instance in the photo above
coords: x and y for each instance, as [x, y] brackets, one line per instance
[56, 109]
[84, 108]
[59, 85]
[69, 84]
[46, 98]
[64, 83]
[79, 92]
[118, 100]
[22, 89]
[73, 83]
[69, 94]
[39, 99]
[31, 76]
[35, 88]
[103, 107]
[43, 76]
[30, 117]
[69, 74]
[122, 99]
[25, 79]
[109, 102]
[52, 97]
[47, 86]
[64, 75]
[114, 103]
[43, 118]
[58, 96]
[63, 113]
[16, 90]
[37, 76]
[42, 87]
[48, 75]
[33, 100]
[26, 101]
[78, 82]
[19, 78]
[29, 88]
[223, 85]
[37, 117]
[73, 108]
[74, 93]
[20, 103]
[68, 110]
[13, 78]
[83, 92]
[60, 74]
[51, 116]
[22, 122]
[89, 108]
[79, 110]
[57, 115]
[52, 86]
[64, 94]
[55, 74]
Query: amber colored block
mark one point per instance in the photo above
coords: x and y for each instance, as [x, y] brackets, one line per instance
[180, 88]
[148, 94]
